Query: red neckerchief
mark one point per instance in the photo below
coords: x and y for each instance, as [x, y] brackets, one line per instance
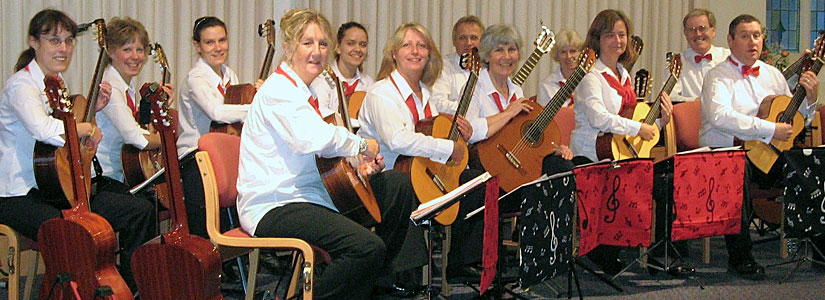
[411, 104]
[222, 89]
[131, 104]
[349, 89]
[312, 100]
[626, 91]
[497, 98]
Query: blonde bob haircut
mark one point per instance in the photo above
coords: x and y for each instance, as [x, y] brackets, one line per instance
[293, 24]
[603, 23]
[433, 68]
[566, 38]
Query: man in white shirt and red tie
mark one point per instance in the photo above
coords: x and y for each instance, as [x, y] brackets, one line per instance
[447, 89]
[731, 95]
[699, 26]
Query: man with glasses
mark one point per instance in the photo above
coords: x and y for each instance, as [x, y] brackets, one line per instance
[699, 26]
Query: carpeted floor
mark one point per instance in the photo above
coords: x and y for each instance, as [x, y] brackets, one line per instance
[711, 281]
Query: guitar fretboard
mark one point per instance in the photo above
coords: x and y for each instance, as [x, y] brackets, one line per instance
[549, 112]
[527, 68]
[657, 105]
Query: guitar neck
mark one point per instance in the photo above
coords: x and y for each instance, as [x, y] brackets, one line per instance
[72, 144]
[799, 95]
[794, 68]
[549, 112]
[463, 104]
[343, 105]
[94, 90]
[169, 154]
[653, 114]
[527, 68]
[270, 52]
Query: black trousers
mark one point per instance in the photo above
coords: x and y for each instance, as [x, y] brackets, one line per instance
[359, 256]
[132, 217]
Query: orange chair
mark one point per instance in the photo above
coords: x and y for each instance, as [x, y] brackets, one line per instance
[218, 163]
[18, 244]
[566, 120]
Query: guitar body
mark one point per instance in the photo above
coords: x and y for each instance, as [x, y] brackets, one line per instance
[139, 165]
[162, 263]
[423, 170]
[527, 164]
[765, 155]
[350, 192]
[236, 95]
[620, 146]
[84, 245]
[355, 102]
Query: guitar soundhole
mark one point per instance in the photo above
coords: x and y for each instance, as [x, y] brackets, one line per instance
[533, 138]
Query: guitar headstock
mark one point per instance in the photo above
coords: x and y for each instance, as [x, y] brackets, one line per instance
[470, 61]
[330, 76]
[161, 119]
[674, 63]
[637, 43]
[58, 97]
[587, 58]
[160, 58]
[642, 83]
[267, 30]
[819, 46]
[545, 40]
[100, 32]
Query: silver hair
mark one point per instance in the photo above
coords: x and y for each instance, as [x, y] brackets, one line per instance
[499, 34]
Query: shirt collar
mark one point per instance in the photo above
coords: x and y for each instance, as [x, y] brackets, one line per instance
[341, 76]
[298, 82]
[37, 74]
[488, 88]
[116, 80]
[406, 90]
[214, 78]
[557, 76]
[601, 67]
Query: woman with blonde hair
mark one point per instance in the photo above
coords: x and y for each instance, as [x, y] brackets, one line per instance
[281, 193]
[565, 53]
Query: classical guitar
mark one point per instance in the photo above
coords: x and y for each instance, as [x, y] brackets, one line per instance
[544, 42]
[642, 84]
[794, 68]
[243, 93]
[81, 243]
[139, 165]
[175, 265]
[51, 170]
[637, 43]
[349, 189]
[431, 179]
[783, 109]
[516, 152]
[620, 146]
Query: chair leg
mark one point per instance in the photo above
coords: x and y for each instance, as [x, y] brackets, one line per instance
[706, 250]
[295, 281]
[445, 287]
[30, 276]
[13, 263]
[783, 242]
[253, 274]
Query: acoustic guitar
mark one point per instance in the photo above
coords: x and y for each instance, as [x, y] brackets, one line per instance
[138, 164]
[244, 93]
[620, 146]
[349, 189]
[80, 243]
[51, 169]
[637, 43]
[783, 109]
[796, 66]
[515, 153]
[544, 42]
[431, 179]
[175, 265]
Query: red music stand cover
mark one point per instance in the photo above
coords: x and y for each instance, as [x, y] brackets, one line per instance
[615, 202]
[707, 193]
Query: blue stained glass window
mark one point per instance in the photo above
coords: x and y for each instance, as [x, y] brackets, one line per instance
[782, 25]
[817, 19]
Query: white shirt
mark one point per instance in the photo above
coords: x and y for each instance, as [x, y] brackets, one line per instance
[24, 118]
[484, 105]
[730, 103]
[118, 125]
[447, 89]
[689, 86]
[201, 102]
[386, 118]
[597, 110]
[327, 95]
[280, 138]
[550, 86]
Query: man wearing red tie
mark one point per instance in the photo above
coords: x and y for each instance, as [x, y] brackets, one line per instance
[731, 95]
[699, 26]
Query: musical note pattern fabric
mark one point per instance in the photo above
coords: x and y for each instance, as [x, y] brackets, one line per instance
[615, 204]
[546, 229]
[707, 194]
[804, 200]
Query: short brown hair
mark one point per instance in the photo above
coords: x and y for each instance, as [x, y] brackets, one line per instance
[467, 20]
[121, 31]
[293, 24]
[603, 23]
[739, 20]
[700, 12]
[433, 68]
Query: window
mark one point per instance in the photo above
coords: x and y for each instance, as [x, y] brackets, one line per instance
[782, 24]
[817, 19]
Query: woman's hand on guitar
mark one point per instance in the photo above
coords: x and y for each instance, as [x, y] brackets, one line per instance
[372, 166]
[809, 81]
[783, 131]
[169, 89]
[464, 128]
[564, 152]
[258, 83]
[91, 133]
[103, 96]
[457, 155]
[666, 109]
[647, 132]
[517, 107]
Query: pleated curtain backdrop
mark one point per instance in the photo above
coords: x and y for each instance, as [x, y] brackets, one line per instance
[170, 23]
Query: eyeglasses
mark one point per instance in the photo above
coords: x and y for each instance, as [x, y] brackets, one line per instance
[56, 41]
[700, 29]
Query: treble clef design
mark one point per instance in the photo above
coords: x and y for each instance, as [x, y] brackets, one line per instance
[710, 205]
[554, 241]
[584, 218]
[612, 202]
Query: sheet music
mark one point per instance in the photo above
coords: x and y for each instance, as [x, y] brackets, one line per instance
[436, 205]
[543, 177]
[151, 180]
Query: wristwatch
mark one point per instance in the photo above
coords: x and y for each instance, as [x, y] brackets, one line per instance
[362, 146]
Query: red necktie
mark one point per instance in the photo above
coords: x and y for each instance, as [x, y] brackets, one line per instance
[131, 104]
[349, 89]
[626, 91]
[561, 84]
[314, 102]
[750, 71]
[498, 101]
[222, 89]
[414, 110]
[699, 58]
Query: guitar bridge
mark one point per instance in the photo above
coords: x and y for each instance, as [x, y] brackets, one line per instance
[511, 159]
[438, 183]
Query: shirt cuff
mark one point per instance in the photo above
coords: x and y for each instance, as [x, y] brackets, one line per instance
[479, 130]
[443, 150]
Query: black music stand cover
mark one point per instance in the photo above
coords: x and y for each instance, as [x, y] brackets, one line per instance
[804, 202]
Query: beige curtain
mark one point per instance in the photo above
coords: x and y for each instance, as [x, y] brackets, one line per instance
[170, 23]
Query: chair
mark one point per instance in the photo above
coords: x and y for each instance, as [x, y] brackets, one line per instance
[218, 164]
[18, 244]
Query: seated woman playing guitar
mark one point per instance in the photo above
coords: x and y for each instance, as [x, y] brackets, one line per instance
[350, 54]
[600, 97]
[281, 193]
[25, 120]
